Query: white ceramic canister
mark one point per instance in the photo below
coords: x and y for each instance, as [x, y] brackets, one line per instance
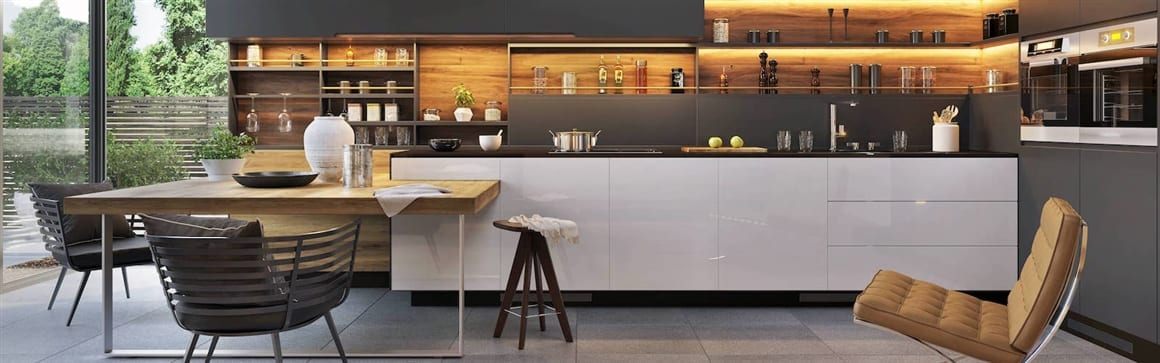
[323, 141]
[945, 137]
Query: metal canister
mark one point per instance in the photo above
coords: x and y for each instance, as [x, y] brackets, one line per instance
[1010, 21]
[991, 25]
[855, 78]
[754, 36]
[344, 87]
[390, 85]
[916, 36]
[364, 87]
[875, 78]
[882, 36]
[939, 36]
[358, 168]
[772, 36]
[296, 59]
[994, 77]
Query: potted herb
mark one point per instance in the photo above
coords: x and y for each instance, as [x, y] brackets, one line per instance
[463, 101]
[222, 153]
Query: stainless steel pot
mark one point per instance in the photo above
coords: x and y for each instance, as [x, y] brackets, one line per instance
[574, 140]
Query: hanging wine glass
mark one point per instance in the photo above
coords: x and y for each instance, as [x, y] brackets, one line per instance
[285, 124]
[252, 124]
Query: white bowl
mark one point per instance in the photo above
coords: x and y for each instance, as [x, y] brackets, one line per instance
[490, 142]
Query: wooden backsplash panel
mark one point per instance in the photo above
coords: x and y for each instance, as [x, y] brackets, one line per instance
[481, 67]
[807, 20]
[302, 111]
[275, 83]
[660, 64]
[997, 6]
[956, 67]
[1004, 57]
[279, 54]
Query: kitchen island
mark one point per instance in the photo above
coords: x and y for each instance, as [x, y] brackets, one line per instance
[672, 221]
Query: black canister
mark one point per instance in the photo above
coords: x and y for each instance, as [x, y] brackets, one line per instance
[855, 78]
[677, 80]
[882, 36]
[938, 36]
[754, 36]
[772, 36]
[916, 36]
[991, 25]
[875, 78]
[1010, 21]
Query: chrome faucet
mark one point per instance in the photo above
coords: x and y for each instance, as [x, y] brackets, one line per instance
[836, 130]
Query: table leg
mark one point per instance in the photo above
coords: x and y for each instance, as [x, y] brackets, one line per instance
[107, 280]
[462, 293]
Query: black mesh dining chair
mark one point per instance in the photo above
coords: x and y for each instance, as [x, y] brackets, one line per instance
[255, 286]
[84, 255]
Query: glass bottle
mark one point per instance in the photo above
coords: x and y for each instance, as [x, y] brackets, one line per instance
[285, 123]
[815, 81]
[253, 125]
[602, 76]
[723, 79]
[349, 56]
[618, 76]
[763, 77]
[772, 81]
[677, 78]
[641, 76]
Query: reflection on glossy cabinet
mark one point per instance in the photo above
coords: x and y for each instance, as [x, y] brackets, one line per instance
[663, 223]
[772, 224]
[923, 179]
[924, 223]
[575, 189]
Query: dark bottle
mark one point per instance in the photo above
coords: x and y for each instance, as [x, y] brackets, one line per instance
[1010, 21]
[815, 81]
[772, 82]
[677, 80]
[763, 77]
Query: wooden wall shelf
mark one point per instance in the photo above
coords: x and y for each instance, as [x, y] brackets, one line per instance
[366, 96]
[828, 45]
[430, 123]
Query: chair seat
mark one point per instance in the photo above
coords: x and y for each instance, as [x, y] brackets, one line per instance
[87, 255]
[510, 226]
[931, 313]
[251, 324]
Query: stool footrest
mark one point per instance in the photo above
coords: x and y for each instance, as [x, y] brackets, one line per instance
[519, 314]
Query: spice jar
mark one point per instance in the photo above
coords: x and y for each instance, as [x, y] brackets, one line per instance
[720, 30]
[492, 112]
[1010, 21]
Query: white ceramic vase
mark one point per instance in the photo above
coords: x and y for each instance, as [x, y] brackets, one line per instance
[463, 114]
[323, 141]
[222, 169]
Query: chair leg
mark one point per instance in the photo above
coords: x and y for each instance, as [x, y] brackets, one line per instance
[192, 345]
[125, 278]
[524, 307]
[554, 288]
[539, 290]
[334, 335]
[56, 289]
[77, 301]
[212, 346]
[513, 281]
[277, 347]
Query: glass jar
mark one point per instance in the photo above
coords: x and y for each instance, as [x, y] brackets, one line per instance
[380, 56]
[568, 83]
[906, 78]
[492, 112]
[928, 79]
[431, 114]
[539, 79]
[253, 55]
[402, 55]
[720, 30]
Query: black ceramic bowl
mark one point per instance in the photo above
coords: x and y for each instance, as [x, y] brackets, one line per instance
[444, 144]
[276, 179]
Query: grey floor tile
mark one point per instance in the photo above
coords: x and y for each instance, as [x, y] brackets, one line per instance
[528, 357]
[823, 314]
[641, 358]
[740, 316]
[21, 358]
[775, 358]
[480, 326]
[637, 339]
[854, 339]
[631, 316]
[720, 340]
[892, 358]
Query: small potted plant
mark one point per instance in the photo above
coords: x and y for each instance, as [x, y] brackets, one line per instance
[222, 153]
[463, 101]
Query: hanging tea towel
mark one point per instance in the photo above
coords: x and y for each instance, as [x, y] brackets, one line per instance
[395, 199]
[552, 228]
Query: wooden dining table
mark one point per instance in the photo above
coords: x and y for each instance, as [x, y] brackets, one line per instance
[201, 196]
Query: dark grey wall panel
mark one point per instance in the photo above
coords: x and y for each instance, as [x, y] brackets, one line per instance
[1041, 16]
[1119, 201]
[317, 18]
[625, 119]
[995, 122]
[1093, 11]
[609, 18]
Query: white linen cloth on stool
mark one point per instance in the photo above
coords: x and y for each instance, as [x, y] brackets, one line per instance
[552, 228]
[395, 199]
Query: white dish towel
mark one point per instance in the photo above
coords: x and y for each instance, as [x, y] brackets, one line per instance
[395, 199]
[553, 229]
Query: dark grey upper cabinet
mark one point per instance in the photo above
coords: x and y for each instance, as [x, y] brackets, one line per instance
[1093, 11]
[1119, 202]
[609, 18]
[1041, 16]
[329, 18]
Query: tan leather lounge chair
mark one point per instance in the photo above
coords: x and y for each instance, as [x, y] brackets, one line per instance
[1035, 308]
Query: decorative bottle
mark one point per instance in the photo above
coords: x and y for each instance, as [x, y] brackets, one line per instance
[723, 79]
[602, 76]
[618, 76]
[815, 81]
[349, 56]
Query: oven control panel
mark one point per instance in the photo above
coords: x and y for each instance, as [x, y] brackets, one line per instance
[1117, 36]
[1136, 34]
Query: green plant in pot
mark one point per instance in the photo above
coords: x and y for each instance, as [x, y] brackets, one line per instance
[223, 153]
[463, 102]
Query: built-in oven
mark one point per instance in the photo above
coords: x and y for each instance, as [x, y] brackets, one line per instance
[1049, 84]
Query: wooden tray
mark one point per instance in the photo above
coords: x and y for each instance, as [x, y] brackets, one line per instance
[723, 149]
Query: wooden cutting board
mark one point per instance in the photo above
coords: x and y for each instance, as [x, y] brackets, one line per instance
[723, 149]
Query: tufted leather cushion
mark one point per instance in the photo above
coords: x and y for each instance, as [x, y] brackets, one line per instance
[1040, 287]
[933, 314]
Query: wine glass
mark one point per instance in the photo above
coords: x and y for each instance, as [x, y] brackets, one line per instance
[285, 124]
[252, 124]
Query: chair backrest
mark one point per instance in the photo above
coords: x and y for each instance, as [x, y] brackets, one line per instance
[50, 218]
[1049, 277]
[220, 277]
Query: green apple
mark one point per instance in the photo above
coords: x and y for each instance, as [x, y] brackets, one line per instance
[715, 142]
[736, 141]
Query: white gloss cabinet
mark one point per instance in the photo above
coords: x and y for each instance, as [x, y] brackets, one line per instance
[663, 223]
[568, 188]
[923, 179]
[772, 224]
[921, 223]
[957, 268]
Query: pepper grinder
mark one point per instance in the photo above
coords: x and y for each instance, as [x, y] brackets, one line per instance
[772, 76]
[815, 81]
[763, 77]
[846, 24]
[831, 12]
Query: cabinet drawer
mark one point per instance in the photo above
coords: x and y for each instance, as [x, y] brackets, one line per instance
[956, 268]
[445, 169]
[923, 179]
[923, 223]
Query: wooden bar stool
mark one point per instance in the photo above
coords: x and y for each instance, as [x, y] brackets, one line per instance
[532, 253]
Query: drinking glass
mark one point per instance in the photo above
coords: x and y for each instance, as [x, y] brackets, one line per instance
[362, 135]
[906, 78]
[381, 135]
[380, 56]
[252, 123]
[285, 123]
[401, 56]
[539, 79]
[568, 81]
[806, 141]
[899, 140]
[403, 136]
[928, 79]
[784, 141]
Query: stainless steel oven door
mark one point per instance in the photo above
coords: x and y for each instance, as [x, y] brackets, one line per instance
[1048, 87]
[1119, 93]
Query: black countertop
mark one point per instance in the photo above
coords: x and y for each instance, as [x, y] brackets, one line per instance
[473, 151]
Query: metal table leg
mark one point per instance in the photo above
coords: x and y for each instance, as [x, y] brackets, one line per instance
[107, 280]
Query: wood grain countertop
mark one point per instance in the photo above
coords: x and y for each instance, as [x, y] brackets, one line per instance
[200, 196]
